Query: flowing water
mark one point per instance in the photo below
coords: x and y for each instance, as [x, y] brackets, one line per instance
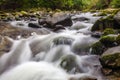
[55, 56]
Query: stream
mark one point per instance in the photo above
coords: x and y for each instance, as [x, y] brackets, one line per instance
[63, 55]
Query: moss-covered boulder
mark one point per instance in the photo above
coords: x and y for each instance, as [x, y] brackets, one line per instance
[97, 48]
[108, 41]
[110, 61]
[111, 58]
[103, 23]
[103, 44]
[108, 31]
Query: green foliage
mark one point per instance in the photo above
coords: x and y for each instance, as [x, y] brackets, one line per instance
[54, 4]
[115, 3]
[58, 4]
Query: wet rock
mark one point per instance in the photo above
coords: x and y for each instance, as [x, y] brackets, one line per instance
[97, 48]
[81, 19]
[45, 23]
[102, 14]
[5, 45]
[33, 25]
[78, 25]
[96, 34]
[63, 40]
[111, 58]
[42, 21]
[108, 31]
[69, 64]
[56, 19]
[33, 19]
[104, 23]
[108, 41]
[58, 28]
[13, 32]
[20, 24]
[117, 17]
[65, 21]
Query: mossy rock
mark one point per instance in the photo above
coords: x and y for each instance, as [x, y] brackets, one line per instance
[103, 23]
[69, 62]
[97, 48]
[110, 11]
[108, 31]
[23, 12]
[102, 14]
[118, 39]
[108, 41]
[111, 60]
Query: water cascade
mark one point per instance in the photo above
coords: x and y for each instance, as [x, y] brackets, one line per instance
[55, 56]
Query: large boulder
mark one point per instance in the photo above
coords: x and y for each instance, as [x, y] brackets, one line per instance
[103, 44]
[80, 19]
[103, 23]
[79, 25]
[56, 19]
[58, 28]
[108, 41]
[97, 48]
[117, 17]
[111, 58]
[110, 61]
[33, 25]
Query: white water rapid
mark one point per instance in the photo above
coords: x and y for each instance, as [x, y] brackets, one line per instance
[55, 56]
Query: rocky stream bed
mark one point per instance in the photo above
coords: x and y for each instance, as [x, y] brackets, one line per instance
[60, 46]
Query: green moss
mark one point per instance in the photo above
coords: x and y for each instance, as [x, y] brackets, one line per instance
[109, 11]
[104, 23]
[108, 41]
[108, 31]
[97, 48]
[102, 14]
[111, 60]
